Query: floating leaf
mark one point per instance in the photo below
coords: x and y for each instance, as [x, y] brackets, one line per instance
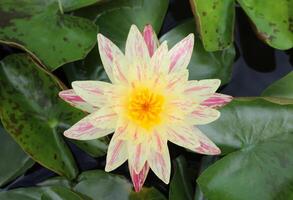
[14, 162]
[203, 64]
[50, 37]
[258, 137]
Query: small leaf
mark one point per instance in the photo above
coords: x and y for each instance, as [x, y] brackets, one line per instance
[259, 138]
[203, 64]
[14, 162]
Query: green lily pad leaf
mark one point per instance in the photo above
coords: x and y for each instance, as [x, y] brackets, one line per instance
[273, 21]
[60, 193]
[57, 181]
[282, 88]
[215, 22]
[98, 184]
[259, 163]
[181, 184]
[203, 64]
[147, 194]
[50, 37]
[14, 162]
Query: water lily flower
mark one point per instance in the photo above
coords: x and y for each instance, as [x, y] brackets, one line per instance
[148, 102]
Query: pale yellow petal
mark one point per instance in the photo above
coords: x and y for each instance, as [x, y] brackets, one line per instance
[180, 54]
[203, 115]
[183, 136]
[159, 158]
[73, 99]
[96, 93]
[198, 91]
[95, 125]
[117, 153]
[150, 39]
[206, 145]
[135, 45]
[108, 51]
[138, 153]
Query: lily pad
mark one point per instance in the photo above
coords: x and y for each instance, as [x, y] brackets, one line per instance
[50, 37]
[203, 64]
[36, 117]
[147, 194]
[14, 162]
[257, 137]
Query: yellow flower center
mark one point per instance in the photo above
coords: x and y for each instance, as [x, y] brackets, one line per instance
[144, 107]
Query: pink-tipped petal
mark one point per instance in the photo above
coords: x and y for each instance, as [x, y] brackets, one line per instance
[201, 90]
[180, 54]
[95, 125]
[159, 158]
[117, 153]
[95, 93]
[108, 51]
[150, 39]
[203, 115]
[183, 136]
[135, 47]
[206, 147]
[217, 100]
[138, 179]
[73, 99]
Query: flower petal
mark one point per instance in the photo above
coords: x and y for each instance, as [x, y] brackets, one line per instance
[138, 179]
[150, 39]
[206, 147]
[117, 153]
[159, 159]
[108, 51]
[73, 99]
[95, 93]
[177, 80]
[183, 136]
[135, 45]
[95, 125]
[137, 155]
[201, 90]
[160, 61]
[180, 54]
[217, 100]
[203, 115]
